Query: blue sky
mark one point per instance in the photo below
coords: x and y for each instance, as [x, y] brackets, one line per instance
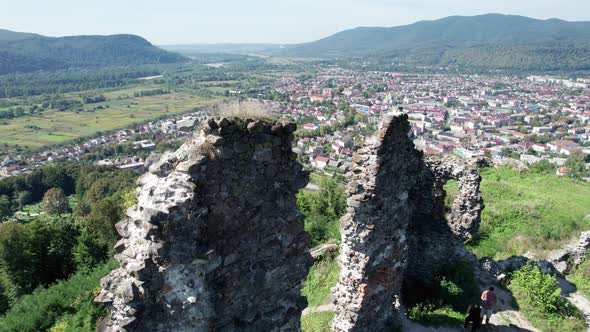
[271, 21]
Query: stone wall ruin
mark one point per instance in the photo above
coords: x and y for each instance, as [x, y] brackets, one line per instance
[216, 242]
[395, 234]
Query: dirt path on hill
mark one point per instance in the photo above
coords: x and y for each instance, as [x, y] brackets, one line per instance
[321, 308]
[568, 290]
[507, 317]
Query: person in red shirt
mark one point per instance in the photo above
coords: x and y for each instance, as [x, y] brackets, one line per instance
[488, 302]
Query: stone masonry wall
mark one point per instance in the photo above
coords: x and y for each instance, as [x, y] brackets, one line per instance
[373, 255]
[395, 235]
[465, 215]
[216, 242]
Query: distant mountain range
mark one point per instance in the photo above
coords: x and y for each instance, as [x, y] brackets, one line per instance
[483, 42]
[453, 32]
[488, 42]
[493, 41]
[27, 52]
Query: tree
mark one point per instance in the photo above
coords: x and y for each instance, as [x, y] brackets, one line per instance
[577, 165]
[55, 201]
[543, 166]
[23, 198]
[323, 210]
[98, 234]
[35, 254]
[5, 206]
[506, 152]
[16, 259]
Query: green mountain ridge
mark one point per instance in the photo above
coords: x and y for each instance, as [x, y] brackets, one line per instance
[7, 35]
[452, 31]
[24, 52]
[492, 41]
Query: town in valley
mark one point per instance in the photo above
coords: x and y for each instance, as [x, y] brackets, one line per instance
[518, 120]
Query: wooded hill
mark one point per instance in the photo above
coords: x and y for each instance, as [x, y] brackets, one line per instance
[486, 41]
[25, 52]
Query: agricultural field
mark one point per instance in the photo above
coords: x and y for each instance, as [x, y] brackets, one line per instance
[120, 110]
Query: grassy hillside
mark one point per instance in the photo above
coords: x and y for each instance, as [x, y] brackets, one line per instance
[528, 211]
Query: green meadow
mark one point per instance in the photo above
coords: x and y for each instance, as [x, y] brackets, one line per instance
[53, 126]
[528, 212]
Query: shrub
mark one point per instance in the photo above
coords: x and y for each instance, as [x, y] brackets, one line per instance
[458, 288]
[537, 289]
[580, 276]
[430, 315]
[445, 301]
[322, 229]
[539, 298]
[65, 306]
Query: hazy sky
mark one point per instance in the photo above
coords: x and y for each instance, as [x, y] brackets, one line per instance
[271, 21]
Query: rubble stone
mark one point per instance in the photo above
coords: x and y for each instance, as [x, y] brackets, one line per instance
[571, 255]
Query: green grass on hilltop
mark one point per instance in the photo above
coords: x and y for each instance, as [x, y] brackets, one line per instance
[322, 276]
[317, 322]
[529, 211]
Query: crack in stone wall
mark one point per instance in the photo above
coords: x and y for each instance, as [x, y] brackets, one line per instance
[216, 242]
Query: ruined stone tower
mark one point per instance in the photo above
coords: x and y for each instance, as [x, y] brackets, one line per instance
[373, 251]
[395, 235]
[216, 242]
